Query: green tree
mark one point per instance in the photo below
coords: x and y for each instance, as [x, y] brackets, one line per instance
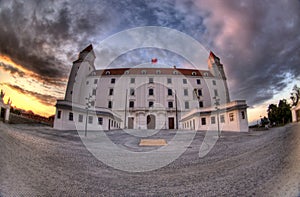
[272, 113]
[295, 95]
[280, 114]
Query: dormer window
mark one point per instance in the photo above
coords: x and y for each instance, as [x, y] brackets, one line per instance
[126, 72]
[175, 72]
[144, 72]
[158, 72]
[205, 74]
[194, 73]
[107, 72]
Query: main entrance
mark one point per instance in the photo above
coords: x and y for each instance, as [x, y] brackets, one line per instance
[171, 123]
[150, 121]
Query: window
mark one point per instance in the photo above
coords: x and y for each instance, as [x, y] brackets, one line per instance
[111, 91]
[214, 82]
[169, 80]
[205, 74]
[71, 92]
[203, 121]
[109, 104]
[113, 80]
[94, 92]
[158, 72]
[100, 120]
[185, 92]
[213, 120]
[184, 81]
[198, 81]
[87, 82]
[151, 92]
[131, 104]
[151, 80]
[222, 118]
[80, 118]
[132, 80]
[126, 72]
[170, 104]
[58, 114]
[199, 92]
[131, 92]
[95, 81]
[170, 92]
[70, 116]
[243, 114]
[107, 72]
[144, 72]
[231, 117]
[186, 105]
[90, 119]
[200, 104]
[151, 104]
[194, 73]
[216, 92]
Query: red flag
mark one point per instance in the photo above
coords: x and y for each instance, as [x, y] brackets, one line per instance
[154, 60]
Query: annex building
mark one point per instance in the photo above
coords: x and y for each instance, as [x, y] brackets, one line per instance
[148, 97]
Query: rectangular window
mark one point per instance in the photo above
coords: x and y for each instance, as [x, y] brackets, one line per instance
[131, 104]
[231, 117]
[151, 92]
[200, 104]
[199, 92]
[109, 104]
[184, 81]
[203, 121]
[216, 92]
[95, 81]
[198, 81]
[100, 120]
[214, 82]
[170, 104]
[58, 114]
[94, 92]
[131, 92]
[243, 114]
[80, 118]
[70, 116]
[169, 92]
[213, 120]
[113, 80]
[111, 91]
[185, 92]
[151, 104]
[132, 80]
[151, 80]
[169, 80]
[87, 82]
[186, 105]
[90, 119]
[222, 119]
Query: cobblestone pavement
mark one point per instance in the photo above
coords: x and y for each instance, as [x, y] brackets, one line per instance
[40, 161]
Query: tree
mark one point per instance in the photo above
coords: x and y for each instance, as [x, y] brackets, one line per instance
[280, 114]
[272, 113]
[295, 95]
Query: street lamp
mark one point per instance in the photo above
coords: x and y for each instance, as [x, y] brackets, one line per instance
[88, 105]
[217, 104]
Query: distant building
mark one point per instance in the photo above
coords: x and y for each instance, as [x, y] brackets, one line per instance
[296, 113]
[148, 97]
[4, 108]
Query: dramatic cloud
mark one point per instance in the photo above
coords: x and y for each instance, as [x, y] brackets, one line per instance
[257, 41]
[42, 98]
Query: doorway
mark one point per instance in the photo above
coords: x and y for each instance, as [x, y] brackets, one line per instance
[171, 123]
[151, 121]
[130, 122]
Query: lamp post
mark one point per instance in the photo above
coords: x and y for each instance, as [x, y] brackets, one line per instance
[88, 105]
[217, 104]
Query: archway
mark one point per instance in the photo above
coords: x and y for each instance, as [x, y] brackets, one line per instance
[151, 121]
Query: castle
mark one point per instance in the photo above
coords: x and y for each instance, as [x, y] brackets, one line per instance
[148, 97]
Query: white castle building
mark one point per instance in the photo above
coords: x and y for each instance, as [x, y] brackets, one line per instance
[148, 97]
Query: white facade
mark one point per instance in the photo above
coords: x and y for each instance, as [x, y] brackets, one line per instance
[147, 98]
[296, 113]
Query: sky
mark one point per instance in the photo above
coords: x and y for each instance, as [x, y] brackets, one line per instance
[258, 42]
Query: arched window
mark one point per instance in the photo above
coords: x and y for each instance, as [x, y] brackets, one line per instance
[194, 73]
[107, 72]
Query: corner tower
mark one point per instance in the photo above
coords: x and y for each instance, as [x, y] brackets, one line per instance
[81, 68]
[217, 70]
